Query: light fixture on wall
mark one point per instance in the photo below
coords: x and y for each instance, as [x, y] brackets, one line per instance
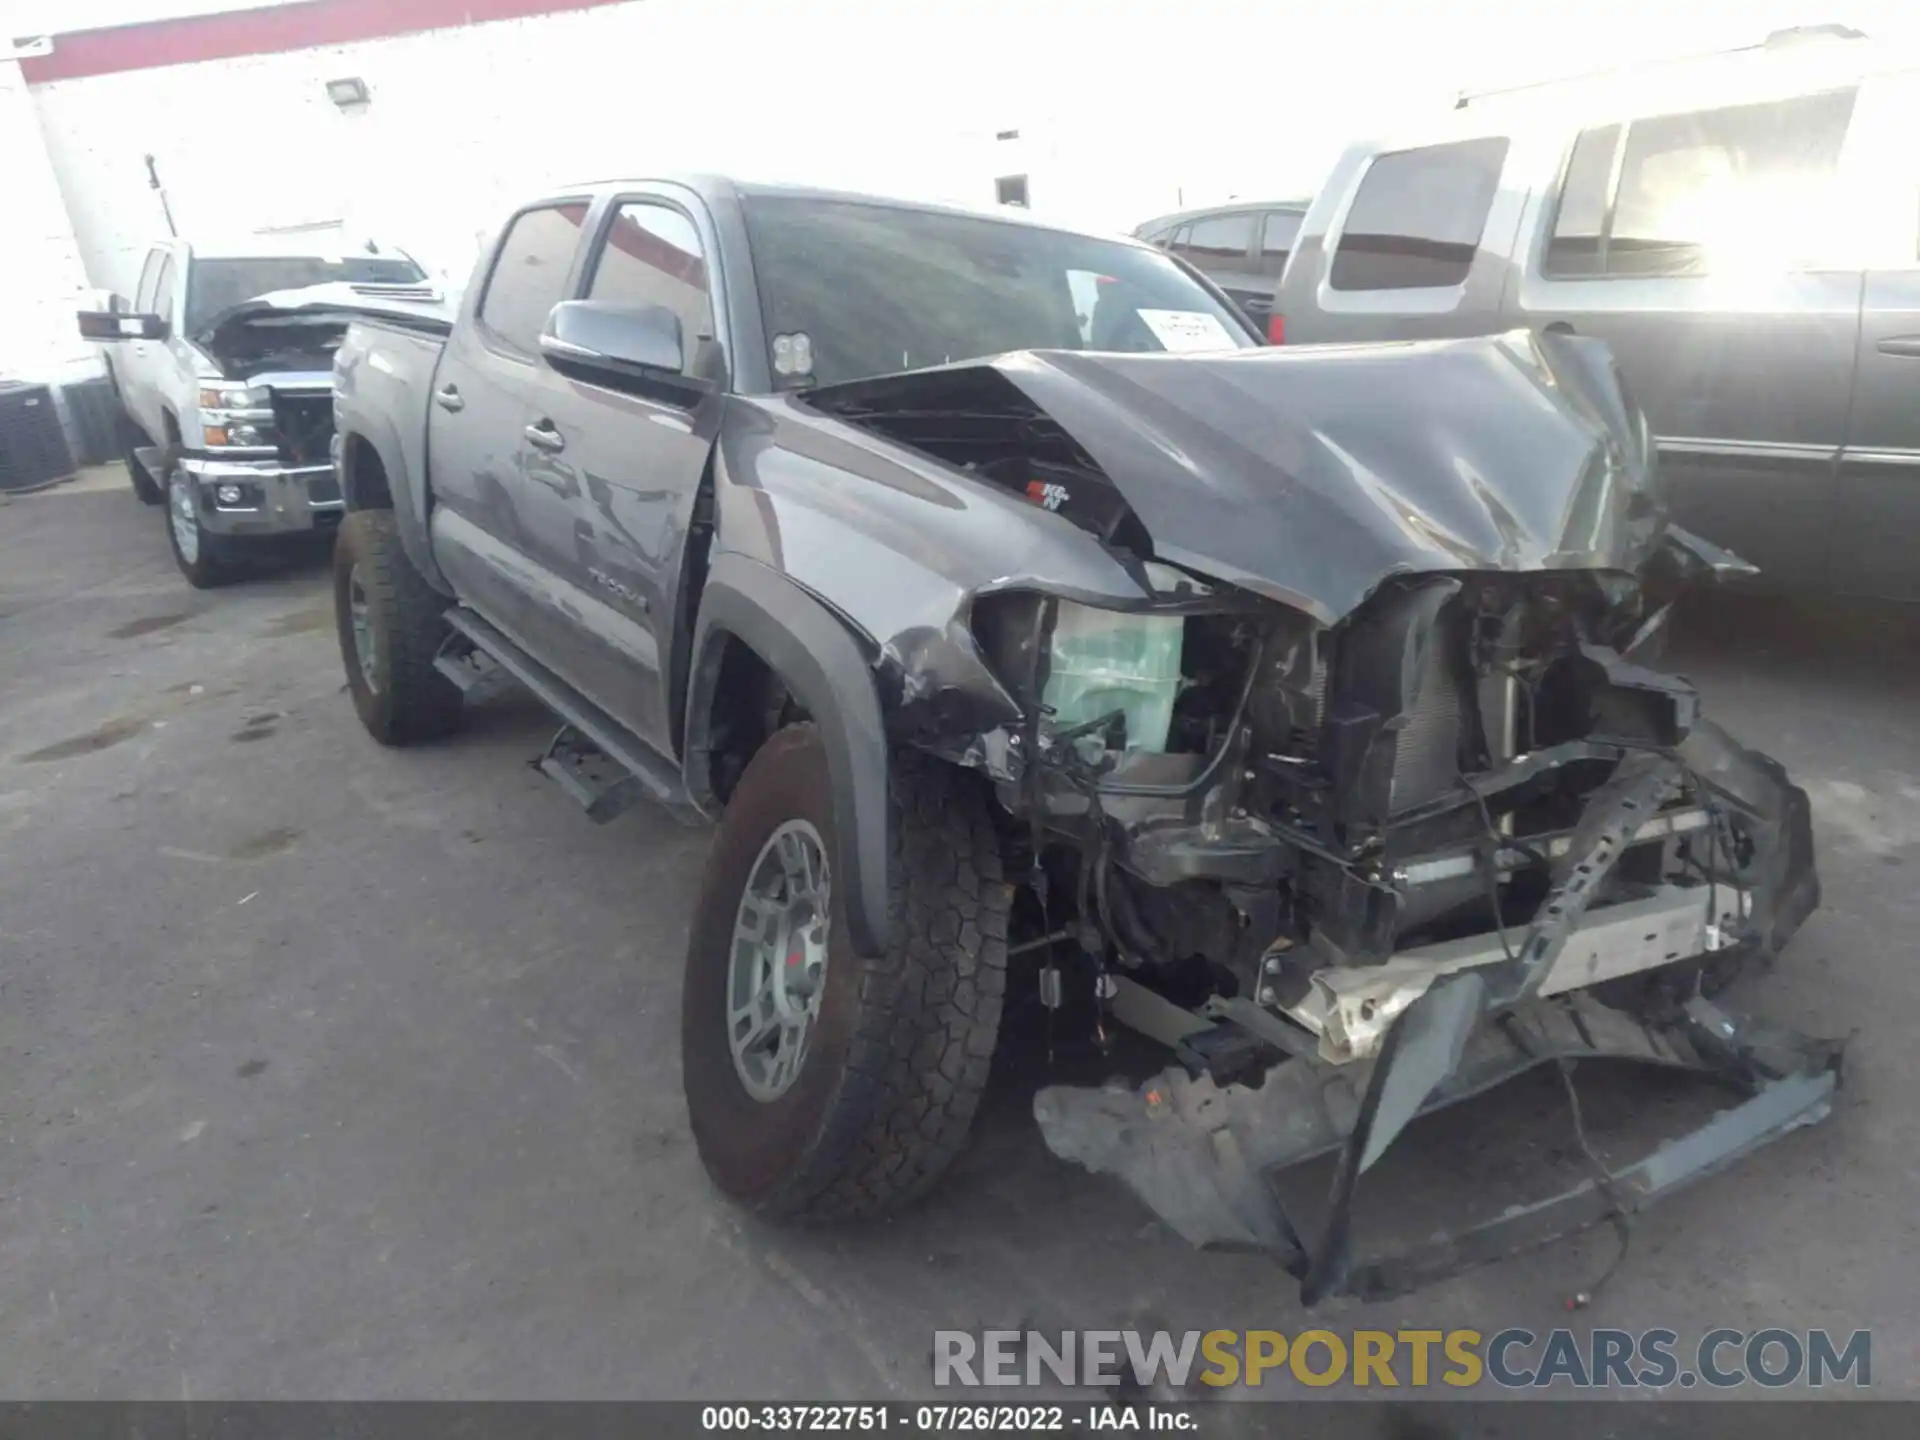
[349, 94]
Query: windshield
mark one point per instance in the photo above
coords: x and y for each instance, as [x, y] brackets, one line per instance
[217, 285]
[879, 288]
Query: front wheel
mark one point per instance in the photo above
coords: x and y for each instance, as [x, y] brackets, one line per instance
[203, 558]
[391, 624]
[821, 1083]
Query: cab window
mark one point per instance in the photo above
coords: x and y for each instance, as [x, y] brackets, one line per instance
[1734, 187]
[149, 281]
[530, 274]
[1416, 220]
[652, 256]
[1580, 220]
[1276, 240]
[163, 288]
[1218, 240]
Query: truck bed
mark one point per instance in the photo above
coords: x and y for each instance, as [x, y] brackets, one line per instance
[389, 398]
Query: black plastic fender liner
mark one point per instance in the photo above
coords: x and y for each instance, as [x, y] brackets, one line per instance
[817, 656]
[408, 492]
[1785, 884]
[1201, 1155]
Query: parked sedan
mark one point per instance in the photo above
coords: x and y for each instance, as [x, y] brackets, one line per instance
[1242, 248]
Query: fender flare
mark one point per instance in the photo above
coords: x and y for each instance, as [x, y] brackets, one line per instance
[409, 497]
[816, 655]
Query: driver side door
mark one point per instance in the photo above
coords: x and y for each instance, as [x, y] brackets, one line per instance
[628, 455]
[138, 364]
[501, 533]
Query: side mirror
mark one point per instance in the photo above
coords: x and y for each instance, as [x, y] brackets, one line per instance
[605, 341]
[116, 324]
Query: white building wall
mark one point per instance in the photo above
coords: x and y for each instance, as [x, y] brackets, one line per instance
[44, 282]
[465, 122]
[1125, 108]
[898, 96]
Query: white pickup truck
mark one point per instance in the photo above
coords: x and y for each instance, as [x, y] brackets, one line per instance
[223, 363]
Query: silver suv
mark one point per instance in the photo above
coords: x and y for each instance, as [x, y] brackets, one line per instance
[1742, 228]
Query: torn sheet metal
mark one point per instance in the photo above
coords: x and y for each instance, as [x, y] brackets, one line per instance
[1201, 1156]
[335, 301]
[1351, 1009]
[1305, 477]
[298, 330]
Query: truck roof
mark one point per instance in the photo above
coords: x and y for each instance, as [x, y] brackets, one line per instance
[274, 246]
[1800, 60]
[1225, 207]
[711, 188]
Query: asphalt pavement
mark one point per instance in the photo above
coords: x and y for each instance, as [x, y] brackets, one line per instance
[334, 1071]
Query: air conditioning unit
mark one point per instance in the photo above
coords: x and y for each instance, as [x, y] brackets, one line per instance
[33, 448]
[90, 413]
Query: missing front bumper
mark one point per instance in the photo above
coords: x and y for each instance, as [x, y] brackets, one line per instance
[1431, 1027]
[1203, 1157]
[1352, 1008]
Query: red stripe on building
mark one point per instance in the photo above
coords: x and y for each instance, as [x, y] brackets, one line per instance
[270, 30]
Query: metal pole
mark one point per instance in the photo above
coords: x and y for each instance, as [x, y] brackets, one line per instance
[153, 179]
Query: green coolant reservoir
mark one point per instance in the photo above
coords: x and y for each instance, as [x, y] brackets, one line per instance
[1106, 660]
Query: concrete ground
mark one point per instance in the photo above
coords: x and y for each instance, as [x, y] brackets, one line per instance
[334, 1071]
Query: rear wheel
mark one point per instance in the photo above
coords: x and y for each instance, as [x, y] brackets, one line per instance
[392, 624]
[823, 1083]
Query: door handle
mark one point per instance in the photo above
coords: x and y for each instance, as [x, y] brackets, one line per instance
[544, 437]
[448, 398]
[1903, 345]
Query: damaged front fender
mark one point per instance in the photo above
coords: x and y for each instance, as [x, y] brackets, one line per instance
[823, 667]
[899, 546]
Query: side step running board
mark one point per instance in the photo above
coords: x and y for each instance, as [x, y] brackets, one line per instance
[470, 668]
[599, 784]
[588, 728]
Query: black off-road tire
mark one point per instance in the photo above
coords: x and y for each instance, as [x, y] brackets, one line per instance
[405, 700]
[899, 1054]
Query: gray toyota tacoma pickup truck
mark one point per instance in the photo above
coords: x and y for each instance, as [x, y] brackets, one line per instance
[1003, 598]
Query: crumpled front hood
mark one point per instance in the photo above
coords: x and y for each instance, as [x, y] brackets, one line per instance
[1312, 474]
[334, 303]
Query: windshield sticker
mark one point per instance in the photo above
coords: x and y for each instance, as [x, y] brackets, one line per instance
[1184, 330]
